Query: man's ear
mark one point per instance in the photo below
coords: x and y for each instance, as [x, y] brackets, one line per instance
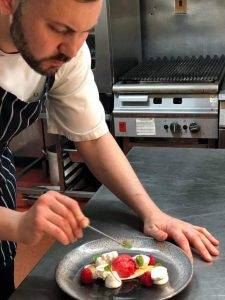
[6, 7]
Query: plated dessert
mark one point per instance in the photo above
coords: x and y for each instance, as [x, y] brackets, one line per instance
[114, 269]
[179, 266]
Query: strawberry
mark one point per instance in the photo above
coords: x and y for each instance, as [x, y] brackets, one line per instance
[152, 260]
[86, 276]
[146, 279]
[124, 265]
[123, 257]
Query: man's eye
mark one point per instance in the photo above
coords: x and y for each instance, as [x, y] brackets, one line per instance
[59, 29]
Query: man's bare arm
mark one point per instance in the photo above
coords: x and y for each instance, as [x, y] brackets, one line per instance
[108, 163]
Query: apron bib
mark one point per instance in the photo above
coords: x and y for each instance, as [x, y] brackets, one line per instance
[15, 116]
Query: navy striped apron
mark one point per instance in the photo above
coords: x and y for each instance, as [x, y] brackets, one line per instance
[15, 116]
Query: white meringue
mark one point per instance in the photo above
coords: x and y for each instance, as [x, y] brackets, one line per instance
[100, 272]
[108, 257]
[159, 275]
[162, 281]
[100, 262]
[113, 280]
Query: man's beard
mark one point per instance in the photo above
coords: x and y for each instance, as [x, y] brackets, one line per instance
[21, 44]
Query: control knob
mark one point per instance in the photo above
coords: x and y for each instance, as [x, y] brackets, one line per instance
[194, 127]
[175, 128]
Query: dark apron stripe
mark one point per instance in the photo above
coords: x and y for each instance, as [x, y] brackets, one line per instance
[7, 195]
[8, 116]
[9, 163]
[15, 116]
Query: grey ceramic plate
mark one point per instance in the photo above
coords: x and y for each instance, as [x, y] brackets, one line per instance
[178, 264]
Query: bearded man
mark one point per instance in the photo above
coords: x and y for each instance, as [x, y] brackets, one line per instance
[40, 40]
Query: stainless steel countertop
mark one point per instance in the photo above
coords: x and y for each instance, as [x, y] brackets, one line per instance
[186, 183]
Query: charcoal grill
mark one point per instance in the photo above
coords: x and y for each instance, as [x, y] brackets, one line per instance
[174, 75]
[170, 98]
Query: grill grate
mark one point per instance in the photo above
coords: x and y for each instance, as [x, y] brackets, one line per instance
[178, 70]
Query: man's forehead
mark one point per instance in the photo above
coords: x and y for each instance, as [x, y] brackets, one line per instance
[77, 13]
[59, 1]
[65, 5]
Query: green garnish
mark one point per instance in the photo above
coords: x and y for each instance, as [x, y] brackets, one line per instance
[126, 244]
[107, 268]
[139, 260]
[95, 257]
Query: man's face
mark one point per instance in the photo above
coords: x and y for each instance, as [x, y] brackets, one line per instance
[50, 33]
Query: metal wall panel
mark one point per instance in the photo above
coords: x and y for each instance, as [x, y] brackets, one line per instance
[118, 41]
[199, 32]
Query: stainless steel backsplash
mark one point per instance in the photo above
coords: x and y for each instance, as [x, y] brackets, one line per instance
[199, 32]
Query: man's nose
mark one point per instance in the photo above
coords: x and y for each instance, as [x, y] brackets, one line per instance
[67, 50]
[71, 45]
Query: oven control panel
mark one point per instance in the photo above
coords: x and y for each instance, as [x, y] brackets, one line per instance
[199, 127]
[166, 116]
[176, 128]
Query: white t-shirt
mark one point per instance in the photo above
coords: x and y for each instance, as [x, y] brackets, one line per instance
[73, 109]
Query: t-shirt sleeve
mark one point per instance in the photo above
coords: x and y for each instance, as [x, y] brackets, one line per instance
[74, 109]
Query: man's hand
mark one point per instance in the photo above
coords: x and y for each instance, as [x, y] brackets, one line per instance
[53, 214]
[161, 226]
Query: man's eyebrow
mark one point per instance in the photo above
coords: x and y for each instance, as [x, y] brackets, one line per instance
[92, 28]
[69, 28]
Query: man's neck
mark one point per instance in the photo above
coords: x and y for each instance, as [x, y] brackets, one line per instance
[6, 43]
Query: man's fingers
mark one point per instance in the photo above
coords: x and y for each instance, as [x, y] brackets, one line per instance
[210, 247]
[57, 207]
[209, 236]
[182, 241]
[60, 211]
[68, 204]
[63, 224]
[54, 231]
[73, 206]
[56, 215]
[198, 244]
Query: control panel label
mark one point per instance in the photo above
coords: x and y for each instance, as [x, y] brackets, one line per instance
[145, 126]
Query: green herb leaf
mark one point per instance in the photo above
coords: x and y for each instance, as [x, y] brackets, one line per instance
[107, 268]
[126, 244]
[140, 260]
[95, 257]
